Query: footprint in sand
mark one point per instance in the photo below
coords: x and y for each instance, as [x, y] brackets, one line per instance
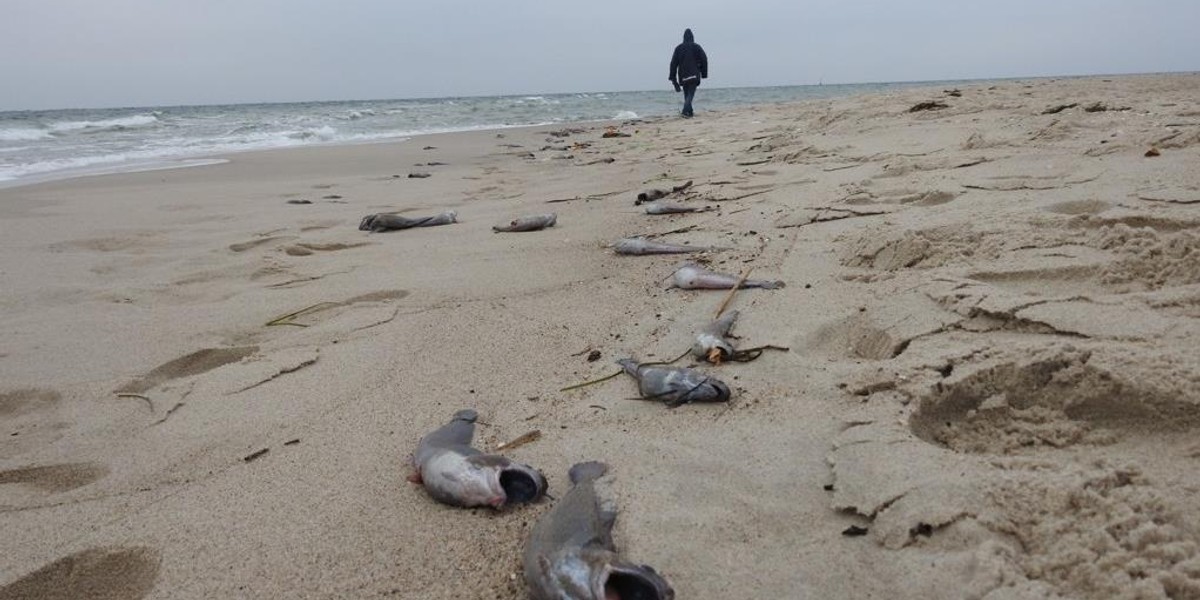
[294, 318]
[97, 574]
[1079, 207]
[131, 242]
[314, 226]
[877, 332]
[29, 419]
[19, 402]
[55, 479]
[1043, 449]
[195, 363]
[308, 248]
[244, 246]
[1050, 403]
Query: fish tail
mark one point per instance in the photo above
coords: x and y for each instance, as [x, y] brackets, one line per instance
[467, 415]
[766, 285]
[630, 366]
[587, 471]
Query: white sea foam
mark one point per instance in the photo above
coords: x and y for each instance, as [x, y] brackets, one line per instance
[626, 114]
[118, 124]
[324, 134]
[22, 134]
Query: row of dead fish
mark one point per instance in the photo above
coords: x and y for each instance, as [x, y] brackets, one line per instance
[688, 276]
[379, 222]
[570, 553]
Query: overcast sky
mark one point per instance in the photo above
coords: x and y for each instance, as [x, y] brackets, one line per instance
[107, 53]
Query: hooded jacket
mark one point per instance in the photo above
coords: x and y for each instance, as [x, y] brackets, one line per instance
[689, 61]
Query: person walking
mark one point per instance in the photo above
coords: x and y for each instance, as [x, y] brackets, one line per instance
[689, 65]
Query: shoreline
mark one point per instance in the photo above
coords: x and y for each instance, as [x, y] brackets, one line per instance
[990, 315]
[170, 162]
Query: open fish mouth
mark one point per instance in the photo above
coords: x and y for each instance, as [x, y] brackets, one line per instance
[521, 486]
[636, 584]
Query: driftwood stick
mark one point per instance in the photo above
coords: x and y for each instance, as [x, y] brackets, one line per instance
[729, 296]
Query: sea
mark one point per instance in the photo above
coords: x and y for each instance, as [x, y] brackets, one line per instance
[55, 144]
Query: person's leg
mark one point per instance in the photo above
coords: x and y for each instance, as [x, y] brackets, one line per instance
[689, 92]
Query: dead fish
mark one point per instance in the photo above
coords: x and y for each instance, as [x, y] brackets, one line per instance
[675, 385]
[666, 208]
[386, 221]
[534, 223]
[651, 195]
[642, 246]
[454, 473]
[656, 194]
[710, 342]
[570, 555]
[691, 276]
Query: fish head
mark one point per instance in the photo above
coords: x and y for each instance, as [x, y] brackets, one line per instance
[685, 275]
[479, 484]
[709, 390]
[707, 342]
[521, 484]
[620, 580]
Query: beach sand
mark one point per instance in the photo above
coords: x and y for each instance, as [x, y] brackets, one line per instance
[992, 311]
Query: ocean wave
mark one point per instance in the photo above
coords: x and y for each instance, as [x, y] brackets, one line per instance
[324, 134]
[626, 114]
[22, 134]
[242, 129]
[117, 124]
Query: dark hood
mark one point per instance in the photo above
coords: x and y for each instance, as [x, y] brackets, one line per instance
[688, 38]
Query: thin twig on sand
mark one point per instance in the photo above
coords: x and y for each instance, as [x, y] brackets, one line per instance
[729, 296]
[521, 440]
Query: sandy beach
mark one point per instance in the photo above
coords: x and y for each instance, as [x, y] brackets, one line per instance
[991, 320]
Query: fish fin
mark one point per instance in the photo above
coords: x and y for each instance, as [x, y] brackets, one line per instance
[662, 396]
[607, 513]
[488, 460]
[587, 471]
[630, 366]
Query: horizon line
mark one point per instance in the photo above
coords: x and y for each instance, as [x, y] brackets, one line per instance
[564, 93]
